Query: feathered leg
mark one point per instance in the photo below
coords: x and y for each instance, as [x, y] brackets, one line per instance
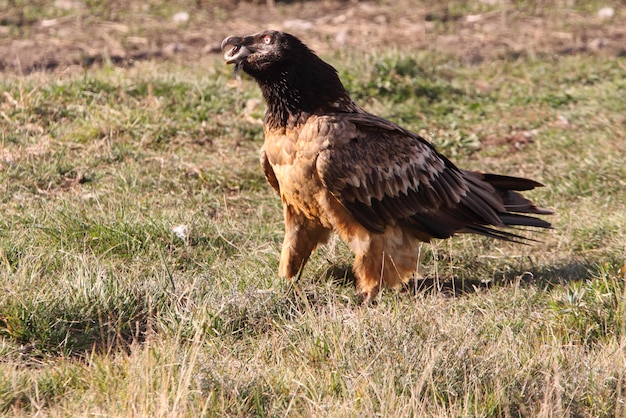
[387, 260]
[302, 236]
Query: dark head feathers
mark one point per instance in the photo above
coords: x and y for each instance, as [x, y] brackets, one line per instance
[293, 79]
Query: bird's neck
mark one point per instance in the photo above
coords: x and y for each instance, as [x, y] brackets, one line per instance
[294, 94]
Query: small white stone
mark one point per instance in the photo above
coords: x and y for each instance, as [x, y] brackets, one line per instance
[181, 231]
[46, 23]
[606, 12]
[181, 17]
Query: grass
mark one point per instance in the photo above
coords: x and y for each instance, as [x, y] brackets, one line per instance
[107, 308]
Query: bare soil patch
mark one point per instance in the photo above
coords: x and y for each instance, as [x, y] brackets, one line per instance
[69, 33]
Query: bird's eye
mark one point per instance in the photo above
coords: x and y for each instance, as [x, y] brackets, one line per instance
[267, 39]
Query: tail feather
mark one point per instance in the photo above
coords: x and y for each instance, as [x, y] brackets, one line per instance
[515, 219]
[496, 233]
[515, 206]
[515, 202]
[508, 186]
[501, 182]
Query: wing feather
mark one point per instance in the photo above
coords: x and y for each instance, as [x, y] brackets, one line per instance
[268, 170]
[384, 175]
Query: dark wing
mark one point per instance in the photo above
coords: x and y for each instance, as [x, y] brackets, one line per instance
[386, 175]
[268, 170]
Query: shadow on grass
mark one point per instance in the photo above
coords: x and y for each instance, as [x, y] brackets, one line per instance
[43, 330]
[546, 277]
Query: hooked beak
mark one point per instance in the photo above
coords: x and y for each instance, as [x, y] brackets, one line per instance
[234, 49]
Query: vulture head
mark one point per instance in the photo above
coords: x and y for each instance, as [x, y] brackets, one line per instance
[293, 80]
[264, 52]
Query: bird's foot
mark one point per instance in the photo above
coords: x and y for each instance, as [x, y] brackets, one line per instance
[367, 297]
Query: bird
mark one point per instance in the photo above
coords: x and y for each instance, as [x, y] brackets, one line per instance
[339, 169]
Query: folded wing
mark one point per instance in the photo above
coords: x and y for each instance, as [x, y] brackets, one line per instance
[385, 175]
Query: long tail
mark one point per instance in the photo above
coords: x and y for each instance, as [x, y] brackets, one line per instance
[515, 206]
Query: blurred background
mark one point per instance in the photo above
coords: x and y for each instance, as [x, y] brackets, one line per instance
[37, 34]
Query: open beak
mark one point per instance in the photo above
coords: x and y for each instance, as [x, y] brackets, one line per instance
[235, 50]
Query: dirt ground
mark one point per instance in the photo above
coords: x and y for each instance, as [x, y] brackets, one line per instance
[68, 33]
